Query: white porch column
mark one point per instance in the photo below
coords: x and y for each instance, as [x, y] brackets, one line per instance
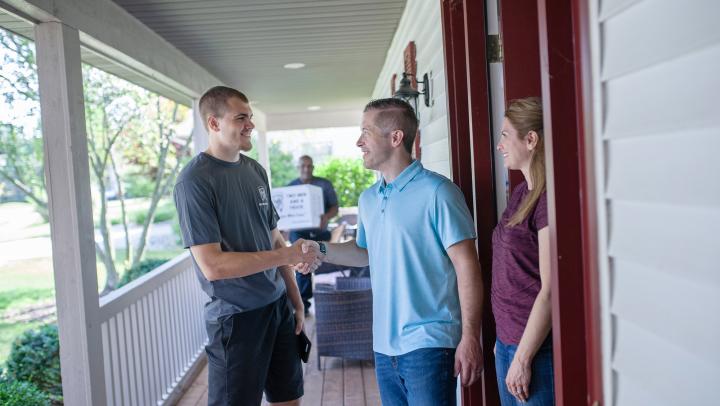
[263, 152]
[200, 135]
[260, 120]
[68, 187]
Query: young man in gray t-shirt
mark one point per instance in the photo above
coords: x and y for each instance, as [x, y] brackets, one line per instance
[229, 224]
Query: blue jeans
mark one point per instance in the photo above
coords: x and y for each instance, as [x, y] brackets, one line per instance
[542, 384]
[422, 377]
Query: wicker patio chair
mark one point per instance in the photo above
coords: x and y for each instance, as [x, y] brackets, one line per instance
[343, 319]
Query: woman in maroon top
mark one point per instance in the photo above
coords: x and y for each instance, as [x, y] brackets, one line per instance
[521, 266]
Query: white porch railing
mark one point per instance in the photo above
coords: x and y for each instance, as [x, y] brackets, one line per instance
[153, 331]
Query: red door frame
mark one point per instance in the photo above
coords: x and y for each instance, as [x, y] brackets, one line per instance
[521, 55]
[469, 113]
[478, 85]
[562, 26]
[565, 69]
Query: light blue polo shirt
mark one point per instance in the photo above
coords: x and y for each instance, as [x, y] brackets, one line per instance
[407, 226]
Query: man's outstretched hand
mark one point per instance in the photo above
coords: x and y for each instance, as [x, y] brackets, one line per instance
[307, 256]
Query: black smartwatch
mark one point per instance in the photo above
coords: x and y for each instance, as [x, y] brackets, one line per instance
[323, 247]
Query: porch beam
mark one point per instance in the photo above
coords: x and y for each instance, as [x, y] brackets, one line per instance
[67, 178]
[199, 133]
[106, 27]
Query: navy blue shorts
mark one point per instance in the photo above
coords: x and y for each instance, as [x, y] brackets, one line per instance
[252, 352]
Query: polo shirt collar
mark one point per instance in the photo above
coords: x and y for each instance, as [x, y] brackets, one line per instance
[407, 175]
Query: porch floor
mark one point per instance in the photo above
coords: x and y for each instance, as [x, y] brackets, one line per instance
[339, 383]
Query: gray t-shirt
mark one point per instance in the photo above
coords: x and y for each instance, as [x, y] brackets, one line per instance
[229, 203]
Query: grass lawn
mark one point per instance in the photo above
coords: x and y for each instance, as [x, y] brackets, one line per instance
[22, 283]
[29, 280]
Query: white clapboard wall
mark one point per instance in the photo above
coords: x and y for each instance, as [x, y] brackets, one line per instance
[656, 114]
[421, 23]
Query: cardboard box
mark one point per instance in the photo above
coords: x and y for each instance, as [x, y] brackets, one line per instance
[299, 207]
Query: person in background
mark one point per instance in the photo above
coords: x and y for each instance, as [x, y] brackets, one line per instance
[305, 169]
[520, 291]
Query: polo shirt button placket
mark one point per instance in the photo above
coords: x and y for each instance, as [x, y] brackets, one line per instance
[386, 192]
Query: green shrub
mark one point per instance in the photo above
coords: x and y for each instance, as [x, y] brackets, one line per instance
[175, 224]
[282, 166]
[139, 185]
[349, 178]
[18, 393]
[164, 212]
[35, 358]
[140, 269]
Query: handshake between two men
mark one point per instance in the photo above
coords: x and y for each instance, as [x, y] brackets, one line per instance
[307, 255]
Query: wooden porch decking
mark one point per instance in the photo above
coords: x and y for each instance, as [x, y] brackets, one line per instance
[339, 383]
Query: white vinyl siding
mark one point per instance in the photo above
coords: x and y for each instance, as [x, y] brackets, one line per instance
[657, 148]
[421, 23]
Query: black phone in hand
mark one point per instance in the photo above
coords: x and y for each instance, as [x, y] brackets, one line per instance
[304, 346]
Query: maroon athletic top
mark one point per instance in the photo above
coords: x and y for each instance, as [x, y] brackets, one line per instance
[516, 266]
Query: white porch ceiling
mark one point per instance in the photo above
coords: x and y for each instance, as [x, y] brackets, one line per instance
[245, 43]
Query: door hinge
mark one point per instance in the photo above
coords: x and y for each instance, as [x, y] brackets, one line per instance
[494, 48]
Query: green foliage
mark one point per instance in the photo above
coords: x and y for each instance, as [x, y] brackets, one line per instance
[141, 269]
[282, 166]
[349, 178]
[21, 296]
[138, 185]
[253, 153]
[18, 393]
[21, 149]
[35, 358]
[164, 212]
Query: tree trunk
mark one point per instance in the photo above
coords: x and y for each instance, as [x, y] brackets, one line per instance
[108, 250]
[123, 212]
[153, 204]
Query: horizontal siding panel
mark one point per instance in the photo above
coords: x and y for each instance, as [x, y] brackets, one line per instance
[438, 110]
[420, 18]
[672, 96]
[433, 132]
[644, 35]
[676, 168]
[678, 240]
[630, 394]
[653, 365]
[437, 151]
[610, 8]
[668, 305]
[441, 167]
[421, 23]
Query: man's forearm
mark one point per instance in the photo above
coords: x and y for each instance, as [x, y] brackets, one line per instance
[293, 292]
[470, 285]
[227, 265]
[332, 212]
[470, 289]
[347, 253]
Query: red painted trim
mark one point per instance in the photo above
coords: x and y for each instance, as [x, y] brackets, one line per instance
[454, 47]
[567, 193]
[477, 83]
[583, 86]
[521, 55]
[469, 114]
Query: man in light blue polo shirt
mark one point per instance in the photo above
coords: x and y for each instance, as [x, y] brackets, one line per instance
[417, 234]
